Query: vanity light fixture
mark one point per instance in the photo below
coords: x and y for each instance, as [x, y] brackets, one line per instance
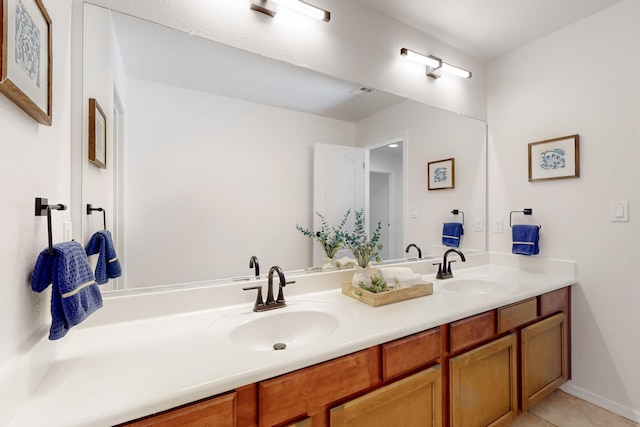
[270, 7]
[435, 65]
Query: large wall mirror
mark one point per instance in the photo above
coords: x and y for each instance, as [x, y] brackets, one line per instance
[210, 157]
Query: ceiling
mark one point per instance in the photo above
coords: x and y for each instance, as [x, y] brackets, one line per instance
[486, 29]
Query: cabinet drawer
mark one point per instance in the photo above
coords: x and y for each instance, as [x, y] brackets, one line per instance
[554, 302]
[517, 314]
[406, 354]
[472, 330]
[218, 411]
[293, 395]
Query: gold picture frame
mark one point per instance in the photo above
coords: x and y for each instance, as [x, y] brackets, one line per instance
[26, 61]
[97, 135]
[557, 158]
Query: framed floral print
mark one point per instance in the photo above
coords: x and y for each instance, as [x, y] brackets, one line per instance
[26, 59]
[441, 174]
[556, 158]
[97, 135]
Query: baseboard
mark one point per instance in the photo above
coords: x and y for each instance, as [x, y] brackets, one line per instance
[602, 402]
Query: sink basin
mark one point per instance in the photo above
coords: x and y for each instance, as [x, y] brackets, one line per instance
[473, 286]
[297, 325]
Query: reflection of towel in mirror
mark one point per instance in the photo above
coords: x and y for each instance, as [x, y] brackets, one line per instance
[451, 232]
[525, 239]
[75, 294]
[108, 266]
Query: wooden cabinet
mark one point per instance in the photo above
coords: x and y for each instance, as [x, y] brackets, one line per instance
[544, 350]
[309, 391]
[518, 314]
[483, 385]
[410, 353]
[415, 401]
[472, 330]
[218, 411]
[487, 368]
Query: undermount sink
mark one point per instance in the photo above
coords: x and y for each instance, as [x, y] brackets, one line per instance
[473, 286]
[297, 325]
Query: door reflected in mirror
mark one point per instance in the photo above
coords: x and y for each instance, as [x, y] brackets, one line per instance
[213, 160]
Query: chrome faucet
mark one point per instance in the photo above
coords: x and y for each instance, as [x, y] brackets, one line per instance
[413, 245]
[444, 269]
[270, 303]
[253, 263]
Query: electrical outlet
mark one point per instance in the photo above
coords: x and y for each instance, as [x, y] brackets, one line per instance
[497, 225]
[479, 225]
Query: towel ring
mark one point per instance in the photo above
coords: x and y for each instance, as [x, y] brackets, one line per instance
[456, 212]
[44, 208]
[526, 211]
[91, 209]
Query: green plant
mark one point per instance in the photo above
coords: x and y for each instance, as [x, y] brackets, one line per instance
[330, 238]
[378, 284]
[358, 242]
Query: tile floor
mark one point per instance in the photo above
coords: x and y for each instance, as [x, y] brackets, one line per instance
[563, 410]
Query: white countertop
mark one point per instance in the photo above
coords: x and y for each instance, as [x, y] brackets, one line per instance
[108, 373]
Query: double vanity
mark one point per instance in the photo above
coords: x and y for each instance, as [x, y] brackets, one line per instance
[487, 344]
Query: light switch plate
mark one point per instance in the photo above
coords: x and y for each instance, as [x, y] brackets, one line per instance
[619, 211]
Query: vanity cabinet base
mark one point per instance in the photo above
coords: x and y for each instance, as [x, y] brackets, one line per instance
[483, 385]
[545, 358]
[415, 401]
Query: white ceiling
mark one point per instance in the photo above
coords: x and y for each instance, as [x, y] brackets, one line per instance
[486, 29]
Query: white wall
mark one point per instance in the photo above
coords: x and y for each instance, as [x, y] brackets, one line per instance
[103, 70]
[433, 134]
[358, 44]
[248, 166]
[583, 79]
[35, 163]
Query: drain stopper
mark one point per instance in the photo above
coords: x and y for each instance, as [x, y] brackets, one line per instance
[279, 346]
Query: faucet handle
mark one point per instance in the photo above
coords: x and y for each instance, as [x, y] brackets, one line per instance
[449, 266]
[280, 299]
[439, 274]
[259, 302]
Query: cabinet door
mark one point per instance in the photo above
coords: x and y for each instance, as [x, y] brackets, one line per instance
[309, 391]
[415, 401]
[218, 411]
[483, 385]
[545, 358]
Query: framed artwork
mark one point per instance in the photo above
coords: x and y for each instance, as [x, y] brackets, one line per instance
[441, 174]
[556, 158]
[97, 135]
[26, 60]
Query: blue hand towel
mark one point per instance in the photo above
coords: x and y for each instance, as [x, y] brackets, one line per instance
[108, 266]
[451, 232]
[75, 294]
[525, 239]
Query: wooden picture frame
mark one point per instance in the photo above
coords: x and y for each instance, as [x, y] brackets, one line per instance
[557, 158]
[97, 135]
[441, 174]
[26, 61]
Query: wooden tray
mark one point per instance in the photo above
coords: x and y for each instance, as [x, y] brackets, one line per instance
[388, 297]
